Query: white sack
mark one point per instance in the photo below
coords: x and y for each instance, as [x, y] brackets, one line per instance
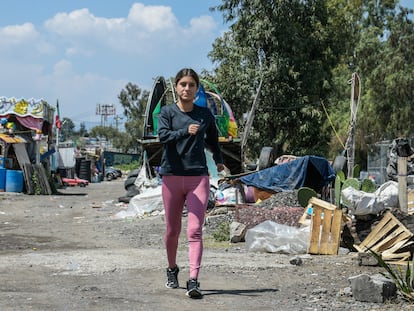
[364, 203]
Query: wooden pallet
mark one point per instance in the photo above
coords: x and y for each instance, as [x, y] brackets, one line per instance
[410, 201]
[326, 225]
[387, 238]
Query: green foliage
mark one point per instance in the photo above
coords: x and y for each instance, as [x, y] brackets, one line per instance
[67, 130]
[134, 101]
[36, 183]
[222, 232]
[341, 175]
[351, 182]
[357, 171]
[289, 45]
[304, 194]
[367, 185]
[403, 280]
[306, 52]
[129, 167]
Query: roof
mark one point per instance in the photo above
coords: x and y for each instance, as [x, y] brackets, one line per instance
[12, 139]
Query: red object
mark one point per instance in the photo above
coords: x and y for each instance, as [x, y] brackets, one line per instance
[75, 182]
[58, 123]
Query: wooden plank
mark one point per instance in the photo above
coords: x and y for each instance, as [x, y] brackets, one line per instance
[396, 236]
[383, 231]
[385, 234]
[336, 232]
[373, 235]
[28, 174]
[321, 203]
[402, 184]
[398, 245]
[315, 230]
[396, 256]
[326, 232]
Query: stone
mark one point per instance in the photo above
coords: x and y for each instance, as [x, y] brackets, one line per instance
[237, 232]
[376, 288]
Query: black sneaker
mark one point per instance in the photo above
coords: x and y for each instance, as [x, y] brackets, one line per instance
[193, 289]
[172, 277]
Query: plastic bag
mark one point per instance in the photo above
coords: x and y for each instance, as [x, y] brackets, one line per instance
[363, 203]
[272, 237]
[142, 204]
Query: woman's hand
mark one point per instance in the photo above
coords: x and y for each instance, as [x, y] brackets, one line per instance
[193, 129]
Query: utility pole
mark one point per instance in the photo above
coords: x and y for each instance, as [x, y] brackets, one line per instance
[104, 111]
[350, 143]
[117, 118]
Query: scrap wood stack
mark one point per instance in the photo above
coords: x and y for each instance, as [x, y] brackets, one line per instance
[390, 238]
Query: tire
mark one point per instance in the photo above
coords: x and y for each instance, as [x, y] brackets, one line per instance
[82, 185]
[132, 192]
[110, 176]
[134, 173]
[129, 181]
[266, 158]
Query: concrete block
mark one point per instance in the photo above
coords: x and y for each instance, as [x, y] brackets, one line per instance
[376, 288]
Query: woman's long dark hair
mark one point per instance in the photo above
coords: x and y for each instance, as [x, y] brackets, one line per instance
[187, 72]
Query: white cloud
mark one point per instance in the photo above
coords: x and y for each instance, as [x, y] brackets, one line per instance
[17, 34]
[152, 18]
[23, 40]
[145, 30]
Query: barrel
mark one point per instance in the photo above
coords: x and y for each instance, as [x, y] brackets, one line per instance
[2, 179]
[85, 170]
[14, 181]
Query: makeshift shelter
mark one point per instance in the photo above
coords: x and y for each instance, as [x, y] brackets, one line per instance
[308, 171]
[24, 122]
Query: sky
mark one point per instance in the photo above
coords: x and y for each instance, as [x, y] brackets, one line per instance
[82, 53]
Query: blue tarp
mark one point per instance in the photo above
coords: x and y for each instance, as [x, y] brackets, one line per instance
[308, 171]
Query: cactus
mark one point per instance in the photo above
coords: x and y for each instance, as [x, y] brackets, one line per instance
[338, 185]
[352, 182]
[367, 185]
[304, 194]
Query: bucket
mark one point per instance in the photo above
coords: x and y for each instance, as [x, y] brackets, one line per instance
[2, 179]
[14, 181]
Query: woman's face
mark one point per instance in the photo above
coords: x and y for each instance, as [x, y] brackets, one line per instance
[186, 89]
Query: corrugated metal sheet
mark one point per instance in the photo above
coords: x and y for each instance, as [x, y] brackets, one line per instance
[12, 139]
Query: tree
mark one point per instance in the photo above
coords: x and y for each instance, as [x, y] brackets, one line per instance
[306, 52]
[121, 141]
[379, 50]
[133, 100]
[289, 45]
[67, 129]
[82, 130]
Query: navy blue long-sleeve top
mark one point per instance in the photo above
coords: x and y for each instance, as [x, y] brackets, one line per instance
[183, 154]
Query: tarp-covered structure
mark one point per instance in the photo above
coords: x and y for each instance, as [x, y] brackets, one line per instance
[308, 171]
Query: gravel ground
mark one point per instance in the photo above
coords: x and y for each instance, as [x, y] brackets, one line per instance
[67, 252]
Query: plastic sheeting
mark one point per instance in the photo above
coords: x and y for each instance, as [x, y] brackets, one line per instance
[363, 203]
[272, 237]
[308, 171]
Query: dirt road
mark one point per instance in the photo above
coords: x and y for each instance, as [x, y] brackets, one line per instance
[66, 252]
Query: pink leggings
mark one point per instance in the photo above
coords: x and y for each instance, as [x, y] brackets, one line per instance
[176, 191]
